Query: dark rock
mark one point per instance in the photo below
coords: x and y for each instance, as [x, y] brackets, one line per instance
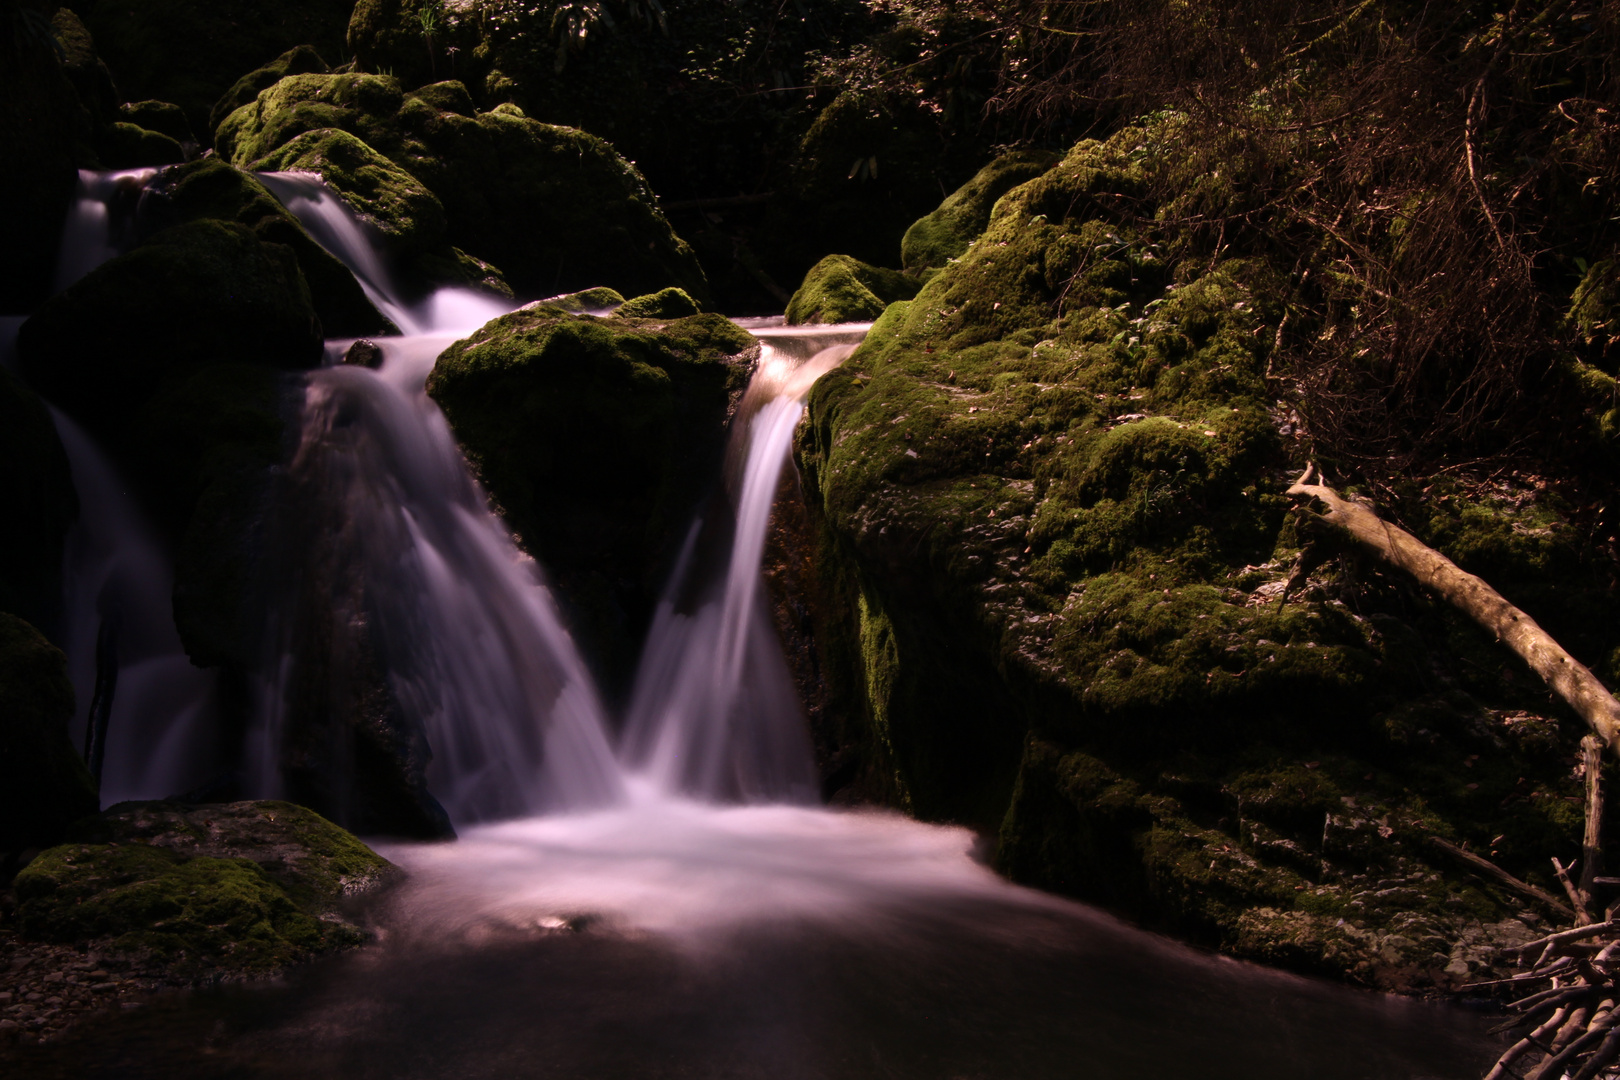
[45, 136]
[597, 438]
[126, 146]
[212, 189]
[365, 353]
[44, 785]
[841, 289]
[91, 79]
[37, 490]
[161, 117]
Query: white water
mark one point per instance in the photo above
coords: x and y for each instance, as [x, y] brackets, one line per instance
[101, 222]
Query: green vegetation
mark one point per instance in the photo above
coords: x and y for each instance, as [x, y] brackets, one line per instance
[841, 289]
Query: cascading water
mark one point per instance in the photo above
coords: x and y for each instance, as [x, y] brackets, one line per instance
[714, 712]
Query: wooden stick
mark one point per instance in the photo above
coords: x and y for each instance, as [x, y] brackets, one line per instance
[1592, 843]
[1564, 937]
[1601, 1056]
[1565, 675]
[1582, 916]
[1524, 1045]
[1491, 869]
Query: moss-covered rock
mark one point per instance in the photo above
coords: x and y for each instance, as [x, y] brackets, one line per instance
[665, 304]
[553, 207]
[300, 60]
[943, 235]
[596, 438]
[85, 70]
[191, 52]
[1055, 546]
[212, 189]
[44, 786]
[161, 117]
[841, 289]
[239, 889]
[128, 146]
[36, 489]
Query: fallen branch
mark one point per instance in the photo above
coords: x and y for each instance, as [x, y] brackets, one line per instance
[1565, 675]
[1490, 869]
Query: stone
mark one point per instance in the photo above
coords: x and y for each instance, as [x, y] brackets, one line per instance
[840, 289]
[44, 786]
[364, 353]
[934, 240]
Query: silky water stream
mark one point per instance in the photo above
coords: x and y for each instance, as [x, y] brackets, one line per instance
[677, 905]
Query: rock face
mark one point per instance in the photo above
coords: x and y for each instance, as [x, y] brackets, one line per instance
[596, 438]
[841, 289]
[237, 889]
[44, 786]
[1054, 547]
[554, 208]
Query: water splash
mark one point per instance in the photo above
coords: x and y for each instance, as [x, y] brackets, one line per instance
[101, 223]
[714, 712]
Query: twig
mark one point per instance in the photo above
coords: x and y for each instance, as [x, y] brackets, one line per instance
[1490, 868]
[1582, 916]
[1592, 843]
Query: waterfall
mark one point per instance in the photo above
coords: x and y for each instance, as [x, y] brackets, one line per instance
[101, 222]
[714, 712]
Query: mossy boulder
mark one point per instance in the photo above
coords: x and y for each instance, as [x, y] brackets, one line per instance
[214, 190]
[597, 439]
[37, 490]
[91, 79]
[841, 289]
[299, 60]
[554, 208]
[236, 890]
[1055, 543]
[129, 146]
[162, 117]
[665, 304]
[939, 237]
[44, 786]
[192, 52]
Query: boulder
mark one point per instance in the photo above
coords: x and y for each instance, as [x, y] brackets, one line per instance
[44, 786]
[840, 289]
[161, 117]
[211, 189]
[300, 60]
[597, 439]
[943, 235]
[1054, 543]
[128, 146]
[36, 487]
[553, 207]
[192, 52]
[664, 304]
[229, 891]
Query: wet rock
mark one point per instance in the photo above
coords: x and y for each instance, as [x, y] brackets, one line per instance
[44, 786]
[596, 438]
[665, 304]
[841, 289]
[365, 353]
[300, 60]
[161, 117]
[128, 146]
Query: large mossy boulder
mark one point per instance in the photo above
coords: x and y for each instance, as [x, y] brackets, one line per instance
[1055, 544]
[597, 439]
[943, 235]
[213, 190]
[36, 487]
[44, 786]
[301, 60]
[191, 53]
[840, 289]
[229, 890]
[556, 209]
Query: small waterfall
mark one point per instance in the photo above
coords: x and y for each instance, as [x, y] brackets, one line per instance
[714, 712]
[101, 223]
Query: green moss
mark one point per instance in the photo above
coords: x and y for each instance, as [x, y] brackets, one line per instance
[841, 289]
[43, 784]
[1592, 310]
[161, 117]
[589, 301]
[666, 304]
[126, 146]
[299, 60]
[210, 188]
[596, 438]
[943, 235]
